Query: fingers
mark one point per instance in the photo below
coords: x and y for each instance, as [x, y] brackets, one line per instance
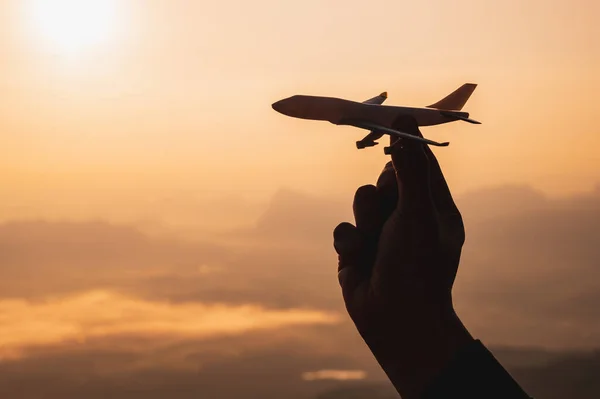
[413, 179]
[387, 191]
[366, 210]
[443, 200]
[445, 207]
[357, 245]
[442, 197]
[424, 191]
[387, 176]
[347, 242]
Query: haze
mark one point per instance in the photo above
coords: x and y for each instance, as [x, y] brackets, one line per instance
[164, 231]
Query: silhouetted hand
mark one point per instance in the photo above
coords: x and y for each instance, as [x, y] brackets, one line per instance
[398, 264]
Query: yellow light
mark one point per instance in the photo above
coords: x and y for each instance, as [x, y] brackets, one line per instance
[73, 25]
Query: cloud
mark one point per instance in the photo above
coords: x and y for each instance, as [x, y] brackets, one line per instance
[339, 375]
[293, 218]
[103, 313]
[532, 269]
[100, 310]
[529, 263]
[38, 259]
[265, 363]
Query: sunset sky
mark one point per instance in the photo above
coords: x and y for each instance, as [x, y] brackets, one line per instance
[145, 99]
[156, 115]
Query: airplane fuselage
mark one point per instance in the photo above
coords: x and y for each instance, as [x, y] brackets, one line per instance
[338, 111]
[377, 118]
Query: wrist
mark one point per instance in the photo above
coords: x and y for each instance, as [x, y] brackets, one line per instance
[413, 352]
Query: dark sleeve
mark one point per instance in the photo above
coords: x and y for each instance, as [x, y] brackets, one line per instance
[475, 373]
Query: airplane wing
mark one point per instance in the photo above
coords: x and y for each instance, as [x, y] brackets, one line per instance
[369, 139]
[391, 132]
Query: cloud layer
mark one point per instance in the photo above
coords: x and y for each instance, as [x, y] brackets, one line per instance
[95, 309]
[96, 314]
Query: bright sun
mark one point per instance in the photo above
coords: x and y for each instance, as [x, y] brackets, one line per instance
[73, 25]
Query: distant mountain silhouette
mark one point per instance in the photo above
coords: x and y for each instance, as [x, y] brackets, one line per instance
[40, 258]
[301, 216]
[525, 264]
[529, 275]
[496, 202]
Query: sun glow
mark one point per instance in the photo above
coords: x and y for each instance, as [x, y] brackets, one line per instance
[74, 25]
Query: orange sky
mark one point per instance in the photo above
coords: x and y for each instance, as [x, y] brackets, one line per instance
[156, 114]
[177, 98]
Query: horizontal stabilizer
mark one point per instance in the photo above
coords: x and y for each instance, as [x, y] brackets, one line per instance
[364, 144]
[462, 116]
[473, 121]
[456, 100]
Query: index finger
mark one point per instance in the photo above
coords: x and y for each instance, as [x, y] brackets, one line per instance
[442, 197]
[412, 171]
[444, 201]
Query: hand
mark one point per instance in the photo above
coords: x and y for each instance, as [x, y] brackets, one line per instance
[398, 264]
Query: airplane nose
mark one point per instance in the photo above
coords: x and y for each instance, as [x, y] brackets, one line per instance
[287, 106]
[279, 106]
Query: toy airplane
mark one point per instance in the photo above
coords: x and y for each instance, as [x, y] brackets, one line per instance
[379, 119]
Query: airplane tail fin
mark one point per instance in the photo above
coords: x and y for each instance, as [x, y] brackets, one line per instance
[456, 100]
